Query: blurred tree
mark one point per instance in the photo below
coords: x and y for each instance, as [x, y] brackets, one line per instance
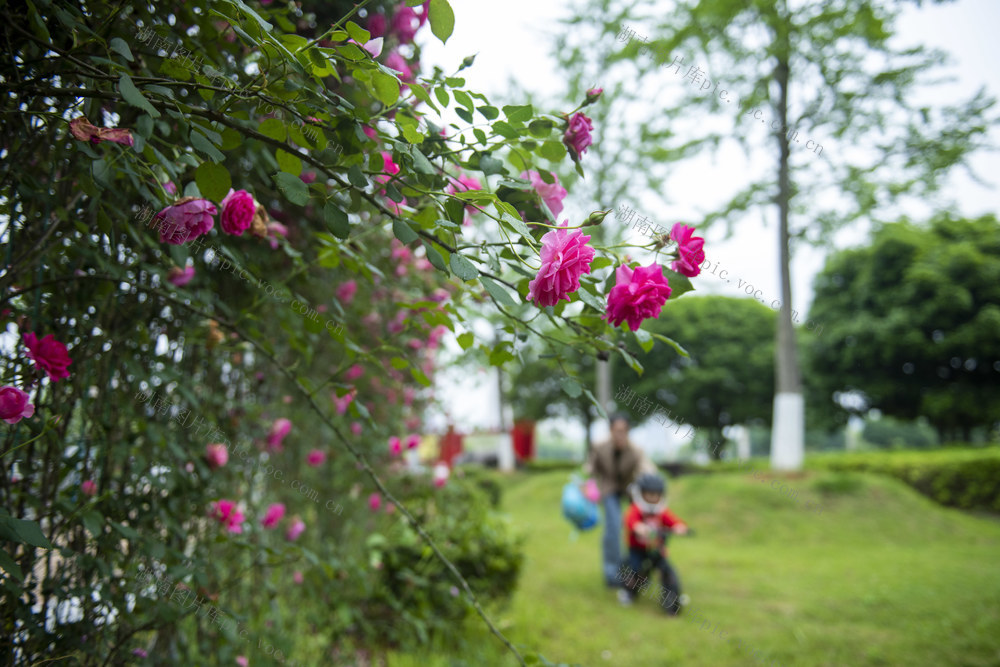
[728, 377]
[826, 69]
[889, 433]
[914, 321]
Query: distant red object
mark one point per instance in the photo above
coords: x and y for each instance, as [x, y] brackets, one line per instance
[451, 446]
[523, 435]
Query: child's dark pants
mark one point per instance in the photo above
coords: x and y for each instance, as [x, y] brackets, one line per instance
[644, 562]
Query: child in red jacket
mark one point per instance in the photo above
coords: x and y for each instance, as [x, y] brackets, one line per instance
[647, 523]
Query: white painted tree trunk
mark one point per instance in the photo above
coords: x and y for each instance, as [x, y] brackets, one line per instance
[787, 441]
[743, 443]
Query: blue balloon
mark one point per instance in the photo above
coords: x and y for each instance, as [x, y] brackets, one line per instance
[581, 512]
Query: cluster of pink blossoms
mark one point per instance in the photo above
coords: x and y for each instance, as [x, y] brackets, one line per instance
[191, 217]
[638, 294]
[50, 356]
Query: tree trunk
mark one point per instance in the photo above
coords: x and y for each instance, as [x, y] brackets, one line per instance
[788, 423]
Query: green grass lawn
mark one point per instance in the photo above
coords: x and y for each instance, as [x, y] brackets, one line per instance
[882, 576]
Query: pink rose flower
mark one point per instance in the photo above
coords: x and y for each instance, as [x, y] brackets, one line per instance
[356, 428]
[279, 429]
[412, 441]
[346, 290]
[316, 457]
[48, 354]
[689, 250]
[577, 136]
[354, 372]
[14, 405]
[296, 529]
[389, 168]
[226, 512]
[180, 277]
[170, 187]
[188, 219]
[397, 62]
[242, 661]
[376, 25]
[81, 129]
[297, 577]
[593, 94]
[369, 132]
[637, 295]
[408, 395]
[395, 445]
[413, 422]
[238, 209]
[307, 177]
[342, 402]
[374, 502]
[465, 183]
[552, 194]
[273, 515]
[406, 23]
[274, 230]
[565, 257]
[89, 488]
[217, 455]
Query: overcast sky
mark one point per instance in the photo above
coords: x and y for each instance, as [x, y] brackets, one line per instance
[513, 40]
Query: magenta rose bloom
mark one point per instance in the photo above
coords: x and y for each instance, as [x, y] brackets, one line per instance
[577, 136]
[376, 25]
[552, 194]
[297, 528]
[689, 250]
[637, 295]
[227, 513]
[238, 209]
[14, 405]
[180, 277]
[274, 514]
[565, 257]
[279, 429]
[217, 455]
[48, 354]
[188, 219]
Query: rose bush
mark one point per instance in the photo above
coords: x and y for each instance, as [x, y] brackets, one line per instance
[357, 269]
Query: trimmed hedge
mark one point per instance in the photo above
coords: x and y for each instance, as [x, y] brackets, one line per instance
[964, 478]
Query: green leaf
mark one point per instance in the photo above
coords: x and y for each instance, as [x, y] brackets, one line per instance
[213, 181]
[463, 268]
[403, 232]
[289, 163]
[464, 114]
[419, 376]
[9, 566]
[500, 354]
[399, 363]
[435, 258]
[515, 223]
[672, 343]
[421, 94]
[552, 150]
[144, 126]
[489, 113]
[600, 263]
[442, 96]
[386, 88]
[463, 98]
[442, 19]
[518, 113]
[132, 95]
[25, 532]
[273, 128]
[571, 387]
[466, 340]
[591, 300]
[120, 46]
[497, 292]
[541, 128]
[126, 531]
[357, 33]
[204, 145]
[645, 339]
[292, 188]
[357, 177]
[420, 162]
[679, 283]
[630, 360]
[337, 220]
[490, 165]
